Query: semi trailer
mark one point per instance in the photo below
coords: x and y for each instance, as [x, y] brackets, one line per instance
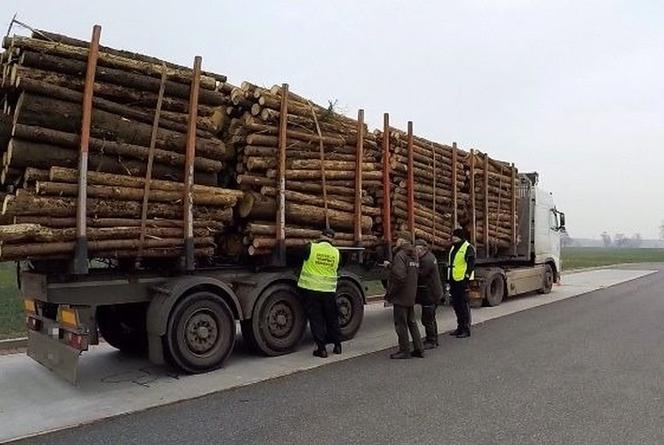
[189, 319]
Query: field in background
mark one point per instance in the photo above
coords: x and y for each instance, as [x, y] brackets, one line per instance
[11, 308]
[12, 323]
[580, 257]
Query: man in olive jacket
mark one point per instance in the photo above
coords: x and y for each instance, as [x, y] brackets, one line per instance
[429, 292]
[401, 292]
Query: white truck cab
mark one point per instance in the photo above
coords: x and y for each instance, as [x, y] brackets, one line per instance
[534, 264]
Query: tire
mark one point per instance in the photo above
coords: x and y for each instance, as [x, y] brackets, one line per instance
[124, 327]
[495, 290]
[201, 332]
[351, 309]
[547, 281]
[278, 321]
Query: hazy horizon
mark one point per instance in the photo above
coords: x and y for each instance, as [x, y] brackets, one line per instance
[572, 90]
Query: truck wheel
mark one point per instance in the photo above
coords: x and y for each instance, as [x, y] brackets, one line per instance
[201, 332]
[278, 320]
[123, 327]
[351, 309]
[495, 290]
[547, 280]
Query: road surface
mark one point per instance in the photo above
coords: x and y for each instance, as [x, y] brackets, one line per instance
[587, 370]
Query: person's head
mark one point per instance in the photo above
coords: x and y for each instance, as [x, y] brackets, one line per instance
[458, 235]
[327, 235]
[403, 239]
[421, 247]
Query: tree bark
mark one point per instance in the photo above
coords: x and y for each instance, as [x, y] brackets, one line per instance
[73, 141]
[26, 204]
[132, 194]
[61, 174]
[22, 154]
[64, 116]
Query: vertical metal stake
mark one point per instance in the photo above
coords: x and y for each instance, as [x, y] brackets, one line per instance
[190, 155]
[387, 190]
[473, 216]
[359, 158]
[411, 184]
[281, 178]
[81, 246]
[455, 213]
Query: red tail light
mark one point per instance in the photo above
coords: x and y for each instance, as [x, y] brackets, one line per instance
[76, 341]
[33, 324]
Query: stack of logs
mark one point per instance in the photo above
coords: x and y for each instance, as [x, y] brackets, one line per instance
[442, 202]
[498, 179]
[322, 149]
[332, 165]
[433, 209]
[42, 87]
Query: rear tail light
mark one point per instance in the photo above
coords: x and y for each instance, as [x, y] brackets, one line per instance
[34, 324]
[76, 341]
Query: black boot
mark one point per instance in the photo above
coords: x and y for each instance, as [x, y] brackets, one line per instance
[320, 352]
[418, 354]
[400, 355]
[337, 348]
[455, 332]
[464, 334]
[430, 344]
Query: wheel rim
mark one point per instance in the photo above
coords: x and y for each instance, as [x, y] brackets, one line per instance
[548, 280]
[280, 319]
[495, 290]
[345, 309]
[202, 332]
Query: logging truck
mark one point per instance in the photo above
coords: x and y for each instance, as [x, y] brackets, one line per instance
[189, 319]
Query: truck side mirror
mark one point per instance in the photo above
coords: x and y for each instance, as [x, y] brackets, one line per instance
[562, 221]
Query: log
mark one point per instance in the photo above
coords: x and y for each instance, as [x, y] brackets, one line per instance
[331, 174]
[132, 194]
[48, 89]
[270, 242]
[22, 154]
[180, 75]
[65, 116]
[106, 89]
[60, 174]
[292, 232]
[72, 141]
[303, 198]
[37, 233]
[54, 37]
[26, 204]
[258, 207]
[64, 222]
[27, 251]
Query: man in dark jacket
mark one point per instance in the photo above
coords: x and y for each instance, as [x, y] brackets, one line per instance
[461, 269]
[401, 292]
[429, 292]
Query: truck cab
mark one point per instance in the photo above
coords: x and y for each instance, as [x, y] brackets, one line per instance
[534, 264]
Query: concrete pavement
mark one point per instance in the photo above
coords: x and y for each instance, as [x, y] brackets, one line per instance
[33, 400]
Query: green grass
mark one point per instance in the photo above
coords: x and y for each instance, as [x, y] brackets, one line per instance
[12, 321]
[580, 257]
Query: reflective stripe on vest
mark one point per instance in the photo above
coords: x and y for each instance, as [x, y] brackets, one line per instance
[457, 266]
[319, 271]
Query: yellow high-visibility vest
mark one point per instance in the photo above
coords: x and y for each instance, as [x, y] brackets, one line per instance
[457, 266]
[319, 271]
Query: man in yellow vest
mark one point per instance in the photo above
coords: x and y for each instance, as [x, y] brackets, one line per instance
[460, 270]
[318, 286]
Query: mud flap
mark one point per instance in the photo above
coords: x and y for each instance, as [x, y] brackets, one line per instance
[58, 357]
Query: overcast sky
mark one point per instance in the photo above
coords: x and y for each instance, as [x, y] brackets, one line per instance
[571, 89]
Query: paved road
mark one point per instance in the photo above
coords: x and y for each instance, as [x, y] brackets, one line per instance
[587, 370]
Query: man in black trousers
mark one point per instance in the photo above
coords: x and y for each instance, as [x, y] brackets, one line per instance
[461, 269]
[429, 291]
